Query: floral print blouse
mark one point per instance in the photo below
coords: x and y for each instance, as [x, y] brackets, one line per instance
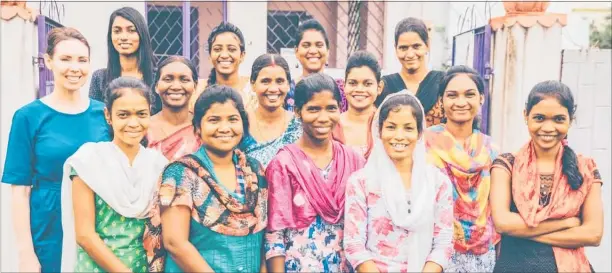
[316, 248]
[371, 235]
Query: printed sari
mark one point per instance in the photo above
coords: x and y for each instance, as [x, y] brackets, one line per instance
[226, 226]
[265, 151]
[306, 209]
[180, 143]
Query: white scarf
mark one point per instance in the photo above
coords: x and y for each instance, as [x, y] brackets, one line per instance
[106, 170]
[420, 220]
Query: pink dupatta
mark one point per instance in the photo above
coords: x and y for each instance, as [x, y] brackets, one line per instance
[298, 192]
[176, 145]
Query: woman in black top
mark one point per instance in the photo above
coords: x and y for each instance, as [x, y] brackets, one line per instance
[129, 53]
[411, 49]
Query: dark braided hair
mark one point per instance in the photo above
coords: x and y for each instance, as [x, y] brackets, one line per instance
[223, 27]
[562, 93]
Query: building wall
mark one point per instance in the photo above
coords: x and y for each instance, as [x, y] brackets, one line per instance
[324, 12]
[587, 73]
[210, 15]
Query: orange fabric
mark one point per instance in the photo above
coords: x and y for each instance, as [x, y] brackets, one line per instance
[176, 145]
[338, 135]
[564, 201]
[528, 20]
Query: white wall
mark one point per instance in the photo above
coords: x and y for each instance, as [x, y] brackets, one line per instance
[18, 82]
[252, 19]
[432, 12]
[587, 73]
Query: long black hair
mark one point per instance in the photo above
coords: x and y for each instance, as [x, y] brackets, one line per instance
[266, 60]
[454, 71]
[144, 54]
[223, 27]
[119, 87]
[563, 94]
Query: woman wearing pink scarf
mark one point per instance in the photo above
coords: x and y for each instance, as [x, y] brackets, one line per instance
[307, 183]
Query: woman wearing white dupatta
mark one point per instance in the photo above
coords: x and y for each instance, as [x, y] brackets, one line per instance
[108, 188]
[399, 209]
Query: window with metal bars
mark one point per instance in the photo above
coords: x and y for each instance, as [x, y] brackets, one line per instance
[166, 28]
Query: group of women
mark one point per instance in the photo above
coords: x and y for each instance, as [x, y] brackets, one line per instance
[162, 171]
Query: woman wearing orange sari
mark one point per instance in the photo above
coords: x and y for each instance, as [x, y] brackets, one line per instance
[171, 131]
[545, 199]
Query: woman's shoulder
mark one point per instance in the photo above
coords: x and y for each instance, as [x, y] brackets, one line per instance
[32, 109]
[390, 76]
[441, 178]
[504, 161]
[588, 167]
[98, 76]
[437, 74]
[97, 105]
[282, 159]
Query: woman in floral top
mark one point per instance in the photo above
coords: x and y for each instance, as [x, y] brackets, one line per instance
[307, 186]
[402, 221]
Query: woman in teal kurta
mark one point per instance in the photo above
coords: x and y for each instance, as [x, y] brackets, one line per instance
[212, 214]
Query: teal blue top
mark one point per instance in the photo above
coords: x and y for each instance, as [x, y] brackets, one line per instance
[222, 252]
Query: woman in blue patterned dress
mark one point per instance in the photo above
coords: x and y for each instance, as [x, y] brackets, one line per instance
[272, 126]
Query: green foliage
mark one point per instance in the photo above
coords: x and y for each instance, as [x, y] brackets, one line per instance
[601, 36]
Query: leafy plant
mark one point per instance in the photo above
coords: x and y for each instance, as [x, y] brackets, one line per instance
[601, 36]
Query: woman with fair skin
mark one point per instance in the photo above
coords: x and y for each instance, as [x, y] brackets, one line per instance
[212, 202]
[226, 52]
[271, 127]
[307, 184]
[398, 208]
[43, 134]
[546, 200]
[312, 51]
[465, 155]
[130, 53]
[412, 50]
[171, 131]
[108, 188]
[362, 87]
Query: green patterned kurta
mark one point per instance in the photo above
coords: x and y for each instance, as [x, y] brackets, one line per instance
[122, 235]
